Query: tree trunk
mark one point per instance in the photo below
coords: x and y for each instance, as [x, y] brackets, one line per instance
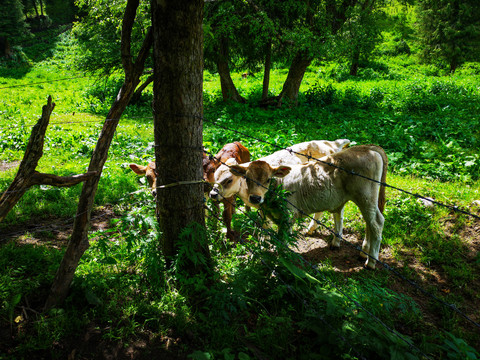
[355, 63]
[453, 65]
[266, 72]
[5, 49]
[78, 243]
[35, 7]
[178, 123]
[229, 91]
[291, 87]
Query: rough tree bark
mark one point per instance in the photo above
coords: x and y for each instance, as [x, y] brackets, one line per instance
[27, 176]
[229, 91]
[178, 123]
[79, 241]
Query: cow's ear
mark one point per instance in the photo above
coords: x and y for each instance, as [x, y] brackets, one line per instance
[281, 171]
[238, 170]
[342, 143]
[138, 169]
[231, 161]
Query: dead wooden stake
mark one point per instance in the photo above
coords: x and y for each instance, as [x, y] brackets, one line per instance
[27, 176]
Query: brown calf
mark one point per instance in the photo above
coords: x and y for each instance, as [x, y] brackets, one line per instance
[230, 151]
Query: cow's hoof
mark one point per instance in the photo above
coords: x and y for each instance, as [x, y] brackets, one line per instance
[368, 267]
[334, 247]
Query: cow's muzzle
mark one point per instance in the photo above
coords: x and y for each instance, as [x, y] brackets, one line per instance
[256, 199]
[214, 194]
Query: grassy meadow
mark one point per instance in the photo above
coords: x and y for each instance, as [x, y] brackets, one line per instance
[265, 304]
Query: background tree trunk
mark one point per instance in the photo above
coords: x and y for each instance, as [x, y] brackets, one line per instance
[229, 91]
[5, 49]
[266, 72]
[355, 63]
[35, 7]
[178, 123]
[291, 87]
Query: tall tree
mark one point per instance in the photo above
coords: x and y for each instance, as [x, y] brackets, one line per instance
[12, 21]
[360, 33]
[449, 31]
[178, 124]
[222, 26]
[312, 36]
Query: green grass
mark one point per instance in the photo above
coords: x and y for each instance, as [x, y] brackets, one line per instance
[260, 303]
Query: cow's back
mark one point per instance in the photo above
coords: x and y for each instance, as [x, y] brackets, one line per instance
[318, 186]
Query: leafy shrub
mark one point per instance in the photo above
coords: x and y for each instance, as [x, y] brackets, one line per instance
[468, 69]
[321, 94]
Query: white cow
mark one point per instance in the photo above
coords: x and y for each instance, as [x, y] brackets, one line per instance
[228, 184]
[317, 186]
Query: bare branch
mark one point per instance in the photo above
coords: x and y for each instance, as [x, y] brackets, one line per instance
[59, 181]
[127, 25]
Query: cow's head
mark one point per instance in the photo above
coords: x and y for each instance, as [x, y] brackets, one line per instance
[258, 175]
[210, 164]
[149, 172]
[226, 182]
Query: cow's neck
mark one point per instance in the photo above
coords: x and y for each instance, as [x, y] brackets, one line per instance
[243, 192]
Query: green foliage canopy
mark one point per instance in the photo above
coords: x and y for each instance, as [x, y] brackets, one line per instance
[449, 31]
[99, 33]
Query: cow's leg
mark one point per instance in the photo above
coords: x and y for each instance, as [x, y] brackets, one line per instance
[365, 244]
[228, 210]
[374, 222]
[314, 223]
[338, 220]
[216, 211]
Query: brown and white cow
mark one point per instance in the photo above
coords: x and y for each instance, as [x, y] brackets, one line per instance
[149, 172]
[229, 184]
[317, 186]
[234, 150]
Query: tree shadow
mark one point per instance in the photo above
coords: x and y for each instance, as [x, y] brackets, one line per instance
[39, 47]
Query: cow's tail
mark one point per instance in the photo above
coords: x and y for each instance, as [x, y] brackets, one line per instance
[381, 195]
[383, 179]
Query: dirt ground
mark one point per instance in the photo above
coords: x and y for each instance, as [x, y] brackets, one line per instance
[346, 260]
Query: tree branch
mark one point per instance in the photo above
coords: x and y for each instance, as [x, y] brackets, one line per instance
[127, 25]
[59, 181]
